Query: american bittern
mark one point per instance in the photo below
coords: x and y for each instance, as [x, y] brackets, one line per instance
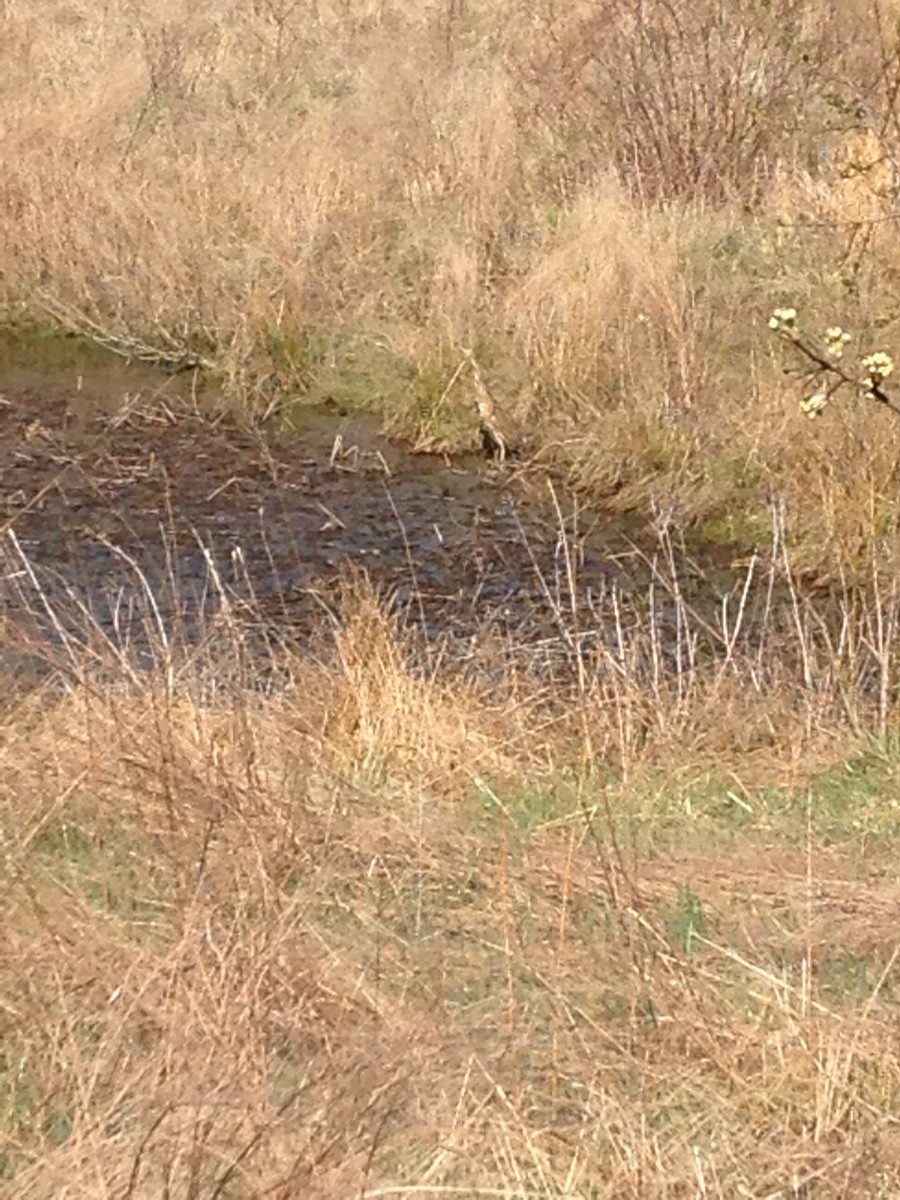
[494, 440]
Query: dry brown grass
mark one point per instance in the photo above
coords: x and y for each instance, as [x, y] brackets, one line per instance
[353, 196]
[385, 931]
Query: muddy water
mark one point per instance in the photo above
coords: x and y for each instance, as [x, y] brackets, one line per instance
[128, 502]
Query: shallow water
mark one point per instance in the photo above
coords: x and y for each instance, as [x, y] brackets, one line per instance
[127, 500]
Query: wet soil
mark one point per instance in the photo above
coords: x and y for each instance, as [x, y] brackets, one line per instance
[123, 495]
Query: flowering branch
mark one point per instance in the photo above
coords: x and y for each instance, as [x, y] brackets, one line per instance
[827, 361]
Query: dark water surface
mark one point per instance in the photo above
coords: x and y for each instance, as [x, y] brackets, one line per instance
[126, 500]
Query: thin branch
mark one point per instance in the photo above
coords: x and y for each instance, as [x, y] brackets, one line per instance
[830, 365]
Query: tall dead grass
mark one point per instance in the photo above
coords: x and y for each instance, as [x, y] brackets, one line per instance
[377, 928]
[383, 929]
[350, 198]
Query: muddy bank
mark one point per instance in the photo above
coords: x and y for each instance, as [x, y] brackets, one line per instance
[126, 499]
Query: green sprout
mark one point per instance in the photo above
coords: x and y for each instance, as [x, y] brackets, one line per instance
[824, 368]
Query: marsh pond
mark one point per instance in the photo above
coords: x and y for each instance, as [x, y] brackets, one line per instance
[131, 512]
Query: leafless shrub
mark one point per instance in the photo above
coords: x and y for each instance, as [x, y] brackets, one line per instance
[685, 99]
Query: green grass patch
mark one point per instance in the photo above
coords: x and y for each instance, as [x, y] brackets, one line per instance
[855, 803]
[107, 869]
